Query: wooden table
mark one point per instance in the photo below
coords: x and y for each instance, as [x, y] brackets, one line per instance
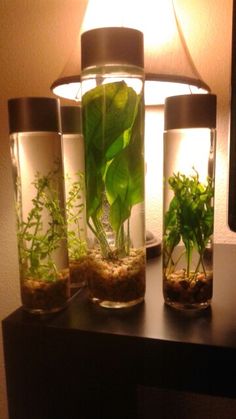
[87, 362]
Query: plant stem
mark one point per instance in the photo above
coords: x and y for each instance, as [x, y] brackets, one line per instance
[200, 262]
[101, 236]
[188, 251]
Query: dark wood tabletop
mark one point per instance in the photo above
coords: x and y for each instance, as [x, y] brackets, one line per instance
[150, 344]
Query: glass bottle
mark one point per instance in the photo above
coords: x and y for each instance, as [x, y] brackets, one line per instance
[35, 144]
[113, 127]
[73, 161]
[189, 168]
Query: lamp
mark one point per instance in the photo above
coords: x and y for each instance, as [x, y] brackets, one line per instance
[169, 68]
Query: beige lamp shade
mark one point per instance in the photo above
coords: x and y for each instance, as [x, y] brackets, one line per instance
[169, 68]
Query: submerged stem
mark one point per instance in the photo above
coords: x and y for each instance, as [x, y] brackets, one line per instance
[101, 236]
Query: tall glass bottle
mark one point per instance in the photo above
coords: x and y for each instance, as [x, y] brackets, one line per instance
[113, 127]
[73, 161]
[35, 145]
[189, 162]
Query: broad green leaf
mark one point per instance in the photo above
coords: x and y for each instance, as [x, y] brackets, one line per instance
[121, 142]
[113, 132]
[108, 110]
[125, 176]
[118, 214]
[117, 180]
[94, 186]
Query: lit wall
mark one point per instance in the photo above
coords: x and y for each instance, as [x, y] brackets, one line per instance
[154, 125]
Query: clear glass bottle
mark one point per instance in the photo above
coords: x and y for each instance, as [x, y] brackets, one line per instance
[73, 161]
[113, 127]
[35, 144]
[189, 167]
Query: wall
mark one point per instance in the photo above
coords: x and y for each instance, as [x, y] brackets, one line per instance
[207, 28]
[36, 37]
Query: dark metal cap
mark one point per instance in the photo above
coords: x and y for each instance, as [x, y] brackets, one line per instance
[71, 120]
[116, 45]
[29, 114]
[190, 111]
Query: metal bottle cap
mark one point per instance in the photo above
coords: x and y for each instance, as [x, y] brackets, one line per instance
[190, 111]
[113, 45]
[71, 120]
[28, 114]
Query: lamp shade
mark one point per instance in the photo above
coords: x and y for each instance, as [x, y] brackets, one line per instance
[169, 68]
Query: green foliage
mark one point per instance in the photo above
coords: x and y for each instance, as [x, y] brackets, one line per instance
[37, 241]
[112, 127]
[189, 217]
[74, 214]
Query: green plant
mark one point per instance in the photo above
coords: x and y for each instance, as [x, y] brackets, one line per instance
[112, 127]
[77, 245]
[36, 240]
[189, 218]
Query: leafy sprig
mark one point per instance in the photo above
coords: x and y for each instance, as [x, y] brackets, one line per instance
[37, 241]
[77, 245]
[189, 218]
